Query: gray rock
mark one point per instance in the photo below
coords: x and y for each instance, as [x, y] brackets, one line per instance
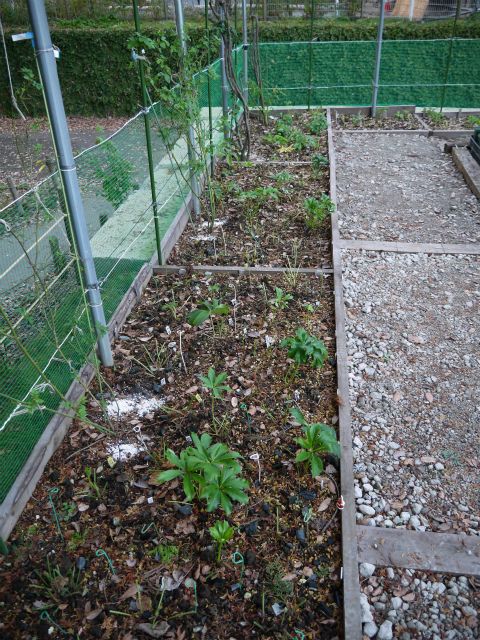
[370, 629]
[397, 603]
[365, 609]
[367, 509]
[385, 632]
[366, 569]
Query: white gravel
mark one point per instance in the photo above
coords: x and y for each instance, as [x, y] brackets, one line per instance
[402, 188]
[413, 340]
[404, 604]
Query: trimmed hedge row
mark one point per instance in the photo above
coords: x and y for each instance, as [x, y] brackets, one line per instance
[98, 77]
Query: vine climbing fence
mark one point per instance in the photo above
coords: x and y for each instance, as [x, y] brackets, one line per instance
[46, 335]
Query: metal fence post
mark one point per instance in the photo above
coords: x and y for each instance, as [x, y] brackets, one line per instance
[245, 50]
[226, 128]
[378, 57]
[191, 147]
[45, 54]
[148, 138]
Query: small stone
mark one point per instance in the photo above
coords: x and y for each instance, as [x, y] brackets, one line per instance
[312, 582]
[439, 466]
[367, 509]
[366, 569]
[184, 509]
[251, 528]
[370, 629]
[81, 563]
[385, 632]
[365, 609]
[300, 535]
[397, 603]
[469, 611]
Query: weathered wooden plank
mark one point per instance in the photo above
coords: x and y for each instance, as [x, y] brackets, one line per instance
[427, 551]
[351, 583]
[172, 268]
[469, 168]
[411, 247]
[26, 481]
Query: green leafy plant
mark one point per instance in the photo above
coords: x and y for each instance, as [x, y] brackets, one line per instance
[319, 162]
[436, 118]
[221, 532]
[304, 348]
[284, 177]
[318, 439]
[214, 383]
[165, 553]
[473, 121]
[317, 123]
[206, 310]
[116, 175]
[402, 116]
[55, 585]
[91, 476]
[281, 299]
[210, 471]
[317, 210]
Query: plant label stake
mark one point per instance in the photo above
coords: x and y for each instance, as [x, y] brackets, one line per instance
[256, 458]
[137, 430]
[51, 493]
[237, 558]
[102, 552]
[299, 635]
[45, 616]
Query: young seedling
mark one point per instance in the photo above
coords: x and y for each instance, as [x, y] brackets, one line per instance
[281, 299]
[221, 532]
[319, 162]
[210, 472]
[317, 210]
[473, 121]
[304, 348]
[214, 383]
[318, 439]
[435, 117]
[402, 116]
[91, 476]
[284, 177]
[318, 123]
[205, 310]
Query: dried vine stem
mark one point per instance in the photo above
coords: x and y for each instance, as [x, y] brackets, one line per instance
[220, 10]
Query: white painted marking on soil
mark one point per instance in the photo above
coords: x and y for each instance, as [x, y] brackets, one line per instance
[136, 404]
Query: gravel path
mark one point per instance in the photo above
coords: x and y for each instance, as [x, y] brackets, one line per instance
[413, 328]
[402, 188]
[411, 604]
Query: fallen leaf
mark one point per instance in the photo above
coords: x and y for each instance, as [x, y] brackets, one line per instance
[82, 506]
[93, 614]
[325, 504]
[184, 527]
[157, 631]
[427, 459]
[131, 592]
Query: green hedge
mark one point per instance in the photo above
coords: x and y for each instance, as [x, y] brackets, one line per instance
[98, 78]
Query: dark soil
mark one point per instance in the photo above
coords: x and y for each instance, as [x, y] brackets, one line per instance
[128, 557]
[401, 120]
[436, 120]
[273, 233]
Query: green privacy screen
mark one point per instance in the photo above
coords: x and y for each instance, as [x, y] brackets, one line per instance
[414, 72]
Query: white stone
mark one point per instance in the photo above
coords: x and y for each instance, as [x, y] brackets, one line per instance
[365, 609]
[367, 509]
[366, 569]
[370, 629]
[396, 603]
[385, 632]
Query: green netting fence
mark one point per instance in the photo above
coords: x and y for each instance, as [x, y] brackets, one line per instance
[46, 335]
[45, 329]
[425, 73]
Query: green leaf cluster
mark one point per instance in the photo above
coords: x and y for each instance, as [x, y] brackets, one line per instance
[317, 440]
[317, 210]
[207, 309]
[281, 299]
[214, 383]
[304, 348]
[209, 472]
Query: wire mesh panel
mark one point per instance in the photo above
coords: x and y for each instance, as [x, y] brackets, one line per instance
[46, 334]
[420, 72]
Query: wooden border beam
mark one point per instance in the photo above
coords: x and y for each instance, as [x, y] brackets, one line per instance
[351, 582]
[411, 247]
[469, 167]
[261, 270]
[423, 550]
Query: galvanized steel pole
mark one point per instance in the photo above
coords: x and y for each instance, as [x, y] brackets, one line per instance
[226, 128]
[378, 57]
[245, 50]
[139, 59]
[190, 134]
[44, 52]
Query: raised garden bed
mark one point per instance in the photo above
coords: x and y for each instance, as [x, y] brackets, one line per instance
[398, 120]
[105, 547]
